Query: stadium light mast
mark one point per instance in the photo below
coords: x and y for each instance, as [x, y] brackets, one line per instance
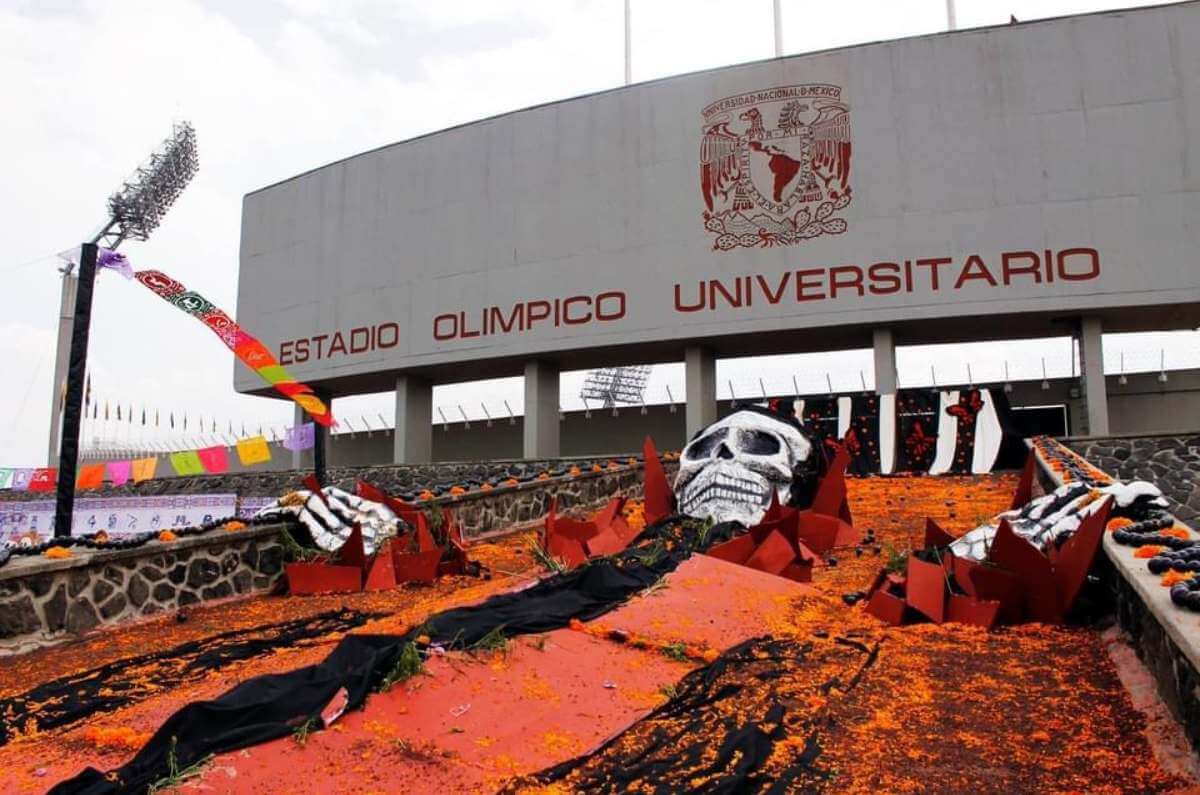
[134, 211]
[613, 385]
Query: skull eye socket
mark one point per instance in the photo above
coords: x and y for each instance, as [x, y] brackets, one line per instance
[759, 443]
[702, 448]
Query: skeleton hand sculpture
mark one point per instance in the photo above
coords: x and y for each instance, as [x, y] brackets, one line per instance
[729, 470]
[1051, 519]
[330, 521]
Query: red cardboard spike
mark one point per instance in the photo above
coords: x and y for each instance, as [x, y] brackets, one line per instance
[1011, 552]
[1024, 491]
[605, 518]
[736, 550]
[311, 578]
[351, 553]
[935, 536]
[797, 572]
[926, 588]
[886, 607]
[773, 555]
[968, 610]
[605, 542]
[993, 584]
[775, 511]
[312, 484]
[831, 493]
[416, 566]
[657, 491]
[406, 511]
[425, 542]
[1074, 559]
[567, 550]
[382, 574]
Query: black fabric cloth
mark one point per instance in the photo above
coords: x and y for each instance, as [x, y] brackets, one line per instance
[721, 725]
[268, 707]
[1013, 451]
[70, 699]
[820, 422]
[916, 429]
[965, 412]
[862, 435]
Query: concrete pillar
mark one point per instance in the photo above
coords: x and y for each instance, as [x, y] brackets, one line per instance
[885, 361]
[413, 442]
[298, 419]
[700, 380]
[1091, 365]
[541, 410]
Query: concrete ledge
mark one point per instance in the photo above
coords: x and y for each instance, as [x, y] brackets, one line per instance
[1165, 637]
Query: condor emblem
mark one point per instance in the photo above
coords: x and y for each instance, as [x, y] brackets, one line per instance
[775, 166]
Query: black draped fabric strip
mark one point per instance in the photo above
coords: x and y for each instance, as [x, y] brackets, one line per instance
[966, 411]
[1013, 451]
[916, 429]
[862, 436]
[820, 422]
[268, 707]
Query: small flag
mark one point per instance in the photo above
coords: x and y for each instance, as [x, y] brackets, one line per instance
[20, 479]
[213, 459]
[44, 479]
[119, 472]
[143, 468]
[5, 477]
[90, 477]
[187, 462]
[301, 437]
[107, 258]
[253, 451]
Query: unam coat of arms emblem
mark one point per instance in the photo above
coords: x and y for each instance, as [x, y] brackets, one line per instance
[770, 186]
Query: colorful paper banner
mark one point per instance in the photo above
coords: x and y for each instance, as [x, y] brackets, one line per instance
[255, 355]
[21, 478]
[254, 450]
[301, 437]
[144, 468]
[44, 479]
[90, 477]
[5, 477]
[187, 462]
[213, 459]
[119, 472]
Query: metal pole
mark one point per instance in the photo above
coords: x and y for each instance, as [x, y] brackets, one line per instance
[951, 17]
[320, 435]
[628, 46]
[73, 405]
[779, 29]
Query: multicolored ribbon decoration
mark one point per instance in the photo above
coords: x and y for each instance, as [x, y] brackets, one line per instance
[252, 352]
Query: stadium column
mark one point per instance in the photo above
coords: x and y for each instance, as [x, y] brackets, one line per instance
[1095, 393]
[413, 442]
[700, 373]
[541, 410]
[298, 419]
[885, 361]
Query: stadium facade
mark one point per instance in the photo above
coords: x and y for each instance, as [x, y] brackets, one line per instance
[1029, 180]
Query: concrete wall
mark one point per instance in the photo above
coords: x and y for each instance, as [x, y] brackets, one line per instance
[1064, 147]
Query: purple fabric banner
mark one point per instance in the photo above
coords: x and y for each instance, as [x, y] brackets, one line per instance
[302, 437]
[114, 261]
[119, 472]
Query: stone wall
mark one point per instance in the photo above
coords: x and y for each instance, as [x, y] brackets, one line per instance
[42, 600]
[1170, 462]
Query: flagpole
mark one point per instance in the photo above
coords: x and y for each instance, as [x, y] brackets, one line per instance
[629, 45]
[779, 28]
[951, 17]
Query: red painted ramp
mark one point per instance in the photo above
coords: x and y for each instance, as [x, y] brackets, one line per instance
[472, 722]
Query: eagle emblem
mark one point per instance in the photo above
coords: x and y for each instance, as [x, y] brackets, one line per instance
[775, 166]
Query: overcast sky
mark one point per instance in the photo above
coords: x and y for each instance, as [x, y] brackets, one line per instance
[276, 87]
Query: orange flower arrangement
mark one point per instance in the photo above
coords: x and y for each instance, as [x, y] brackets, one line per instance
[101, 537]
[426, 495]
[543, 476]
[456, 490]
[511, 482]
[233, 525]
[486, 487]
[1118, 523]
[167, 535]
[58, 553]
[1172, 577]
[573, 471]
[1177, 531]
[1148, 551]
[597, 468]
[122, 737]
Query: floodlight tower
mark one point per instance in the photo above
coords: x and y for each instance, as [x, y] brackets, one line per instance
[613, 385]
[134, 211]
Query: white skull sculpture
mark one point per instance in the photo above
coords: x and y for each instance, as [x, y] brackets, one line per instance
[730, 469]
